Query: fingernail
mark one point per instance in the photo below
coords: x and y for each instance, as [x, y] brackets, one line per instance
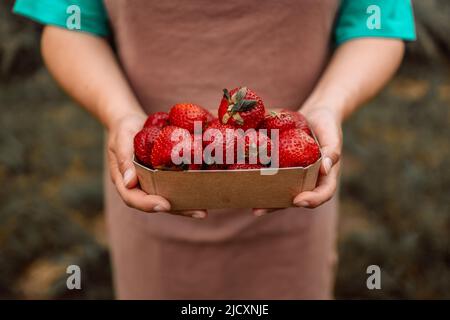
[302, 204]
[327, 164]
[160, 208]
[127, 176]
[199, 215]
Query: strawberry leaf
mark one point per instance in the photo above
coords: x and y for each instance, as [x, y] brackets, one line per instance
[237, 117]
[237, 106]
[240, 94]
[225, 118]
[226, 94]
[248, 104]
[242, 105]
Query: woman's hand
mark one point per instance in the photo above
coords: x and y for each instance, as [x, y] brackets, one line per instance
[123, 173]
[326, 125]
[343, 87]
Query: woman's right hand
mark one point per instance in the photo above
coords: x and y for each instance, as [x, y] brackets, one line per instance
[123, 174]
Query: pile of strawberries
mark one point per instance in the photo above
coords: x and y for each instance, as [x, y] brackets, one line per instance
[195, 129]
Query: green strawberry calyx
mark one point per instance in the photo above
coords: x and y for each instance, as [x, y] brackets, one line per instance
[237, 103]
[274, 114]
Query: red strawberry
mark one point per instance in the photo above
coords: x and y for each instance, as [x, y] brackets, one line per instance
[210, 118]
[297, 149]
[184, 115]
[244, 166]
[159, 119]
[303, 125]
[300, 120]
[278, 120]
[194, 166]
[161, 156]
[296, 115]
[196, 152]
[242, 108]
[216, 167]
[143, 144]
[216, 136]
[257, 144]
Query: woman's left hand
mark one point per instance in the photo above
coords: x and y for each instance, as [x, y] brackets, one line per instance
[326, 125]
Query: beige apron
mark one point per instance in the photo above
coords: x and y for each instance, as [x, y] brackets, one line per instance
[178, 50]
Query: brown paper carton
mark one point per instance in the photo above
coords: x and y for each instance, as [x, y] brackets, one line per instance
[228, 189]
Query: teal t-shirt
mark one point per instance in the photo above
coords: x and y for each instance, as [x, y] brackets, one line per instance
[63, 13]
[374, 18]
[356, 18]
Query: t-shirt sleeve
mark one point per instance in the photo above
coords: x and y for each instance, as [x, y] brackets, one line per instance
[77, 15]
[374, 18]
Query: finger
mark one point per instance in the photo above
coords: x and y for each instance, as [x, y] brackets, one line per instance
[329, 136]
[261, 212]
[136, 198]
[124, 154]
[197, 214]
[322, 193]
[112, 166]
[331, 154]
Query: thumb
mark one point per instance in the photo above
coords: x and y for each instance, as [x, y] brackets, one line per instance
[126, 167]
[328, 130]
[130, 179]
[330, 156]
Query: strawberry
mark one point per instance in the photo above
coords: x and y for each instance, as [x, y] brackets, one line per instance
[242, 108]
[184, 115]
[216, 135]
[196, 152]
[216, 167]
[297, 149]
[300, 120]
[210, 118]
[278, 120]
[158, 119]
[161, 156]
[257, 144]
[194, 166]
[143, 144]
[303, 125]
[244, 166]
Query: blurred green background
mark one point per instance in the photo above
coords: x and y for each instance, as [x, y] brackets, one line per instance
[395, 191]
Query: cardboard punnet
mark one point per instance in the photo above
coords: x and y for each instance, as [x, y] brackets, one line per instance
[217, 189]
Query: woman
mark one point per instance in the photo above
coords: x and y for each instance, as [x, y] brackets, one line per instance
[323, 57]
